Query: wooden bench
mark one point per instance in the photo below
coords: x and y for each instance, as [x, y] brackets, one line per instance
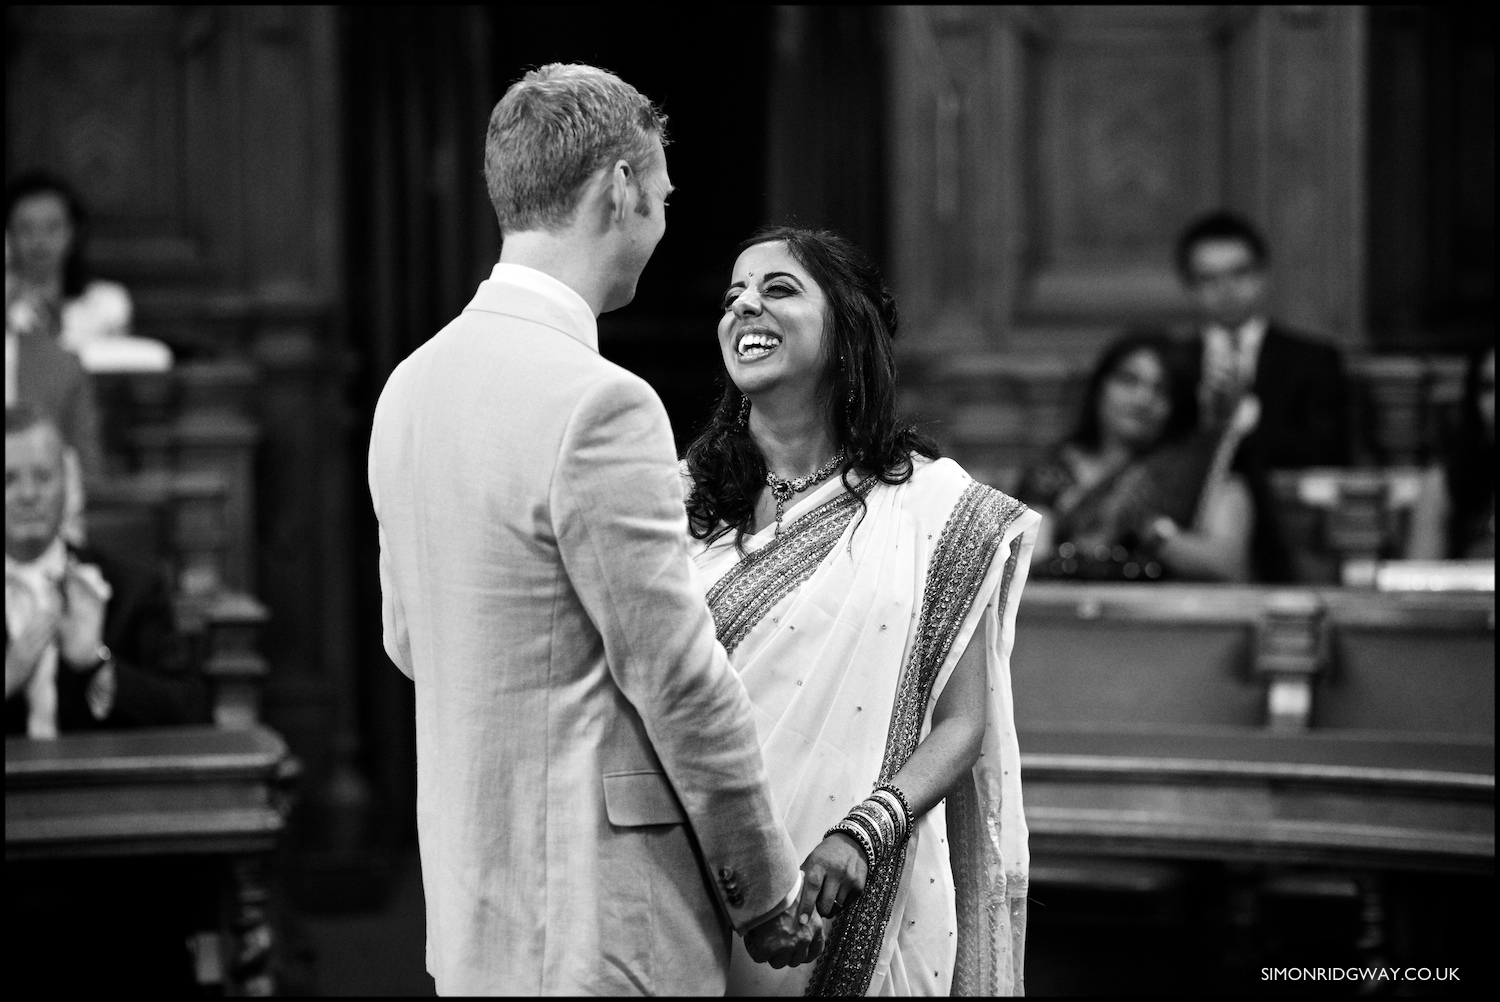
[197, 418]
[171, 792]
[1318, 739]
[177, 521]
[1250, 656]
[1340, 800]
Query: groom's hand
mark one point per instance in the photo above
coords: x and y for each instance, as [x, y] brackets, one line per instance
[789, 939]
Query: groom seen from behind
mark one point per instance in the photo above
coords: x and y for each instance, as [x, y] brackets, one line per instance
[592, 807]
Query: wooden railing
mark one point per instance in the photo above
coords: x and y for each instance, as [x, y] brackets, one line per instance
[1344, 734]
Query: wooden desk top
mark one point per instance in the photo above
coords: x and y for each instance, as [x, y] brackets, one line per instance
[1250, 604]
[153, 755]
[1455, 766]
[145, 792]
[1344, 799]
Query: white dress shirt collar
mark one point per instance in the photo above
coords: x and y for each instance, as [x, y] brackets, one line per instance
[561, 306]
[1241, 347]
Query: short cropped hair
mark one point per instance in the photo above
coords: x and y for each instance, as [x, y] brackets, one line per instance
[554, 128]
[1219, 226]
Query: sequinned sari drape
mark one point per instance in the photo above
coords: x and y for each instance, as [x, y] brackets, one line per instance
[845, 628]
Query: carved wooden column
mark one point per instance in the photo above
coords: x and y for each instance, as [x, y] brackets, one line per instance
[214, 432]
[248, 931]
[1397, 389]
[1289, 652]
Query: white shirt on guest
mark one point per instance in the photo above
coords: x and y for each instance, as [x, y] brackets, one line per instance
[96, 328]
[1235, 351]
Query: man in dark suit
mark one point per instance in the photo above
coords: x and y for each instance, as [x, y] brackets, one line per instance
[90, 642]
[1296, 379]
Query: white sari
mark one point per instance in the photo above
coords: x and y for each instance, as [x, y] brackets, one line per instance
[844, 628]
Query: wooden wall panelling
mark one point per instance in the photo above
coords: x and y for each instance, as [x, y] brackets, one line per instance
[1044, 159]
[953, 123]
[1130, 108]
[1313, 188]
[824, 155]
[128, 103]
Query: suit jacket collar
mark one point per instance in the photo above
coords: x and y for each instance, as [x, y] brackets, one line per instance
[515, 290]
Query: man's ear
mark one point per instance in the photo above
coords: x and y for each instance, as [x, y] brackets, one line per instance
[621, 178]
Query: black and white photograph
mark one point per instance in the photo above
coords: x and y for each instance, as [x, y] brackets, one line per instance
[750, 500]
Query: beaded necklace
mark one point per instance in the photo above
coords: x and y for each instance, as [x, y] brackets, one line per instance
[782, 489]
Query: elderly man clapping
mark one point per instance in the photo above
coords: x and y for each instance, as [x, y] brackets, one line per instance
[89, 641]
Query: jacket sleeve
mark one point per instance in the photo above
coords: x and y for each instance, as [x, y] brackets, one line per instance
[1325, 441]
[156, 681]
[393, 629]
[394, 635]
[622, 532]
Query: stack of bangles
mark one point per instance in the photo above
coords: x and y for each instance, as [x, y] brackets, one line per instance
[880, 823]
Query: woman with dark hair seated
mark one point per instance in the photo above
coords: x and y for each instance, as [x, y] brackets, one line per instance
[866, 593]
[1454, 518]
[54, 294]
[1139, 491]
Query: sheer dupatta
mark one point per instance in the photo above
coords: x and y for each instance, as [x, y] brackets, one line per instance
[844, 629]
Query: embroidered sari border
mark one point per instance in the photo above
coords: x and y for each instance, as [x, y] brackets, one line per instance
[980, 891]
[955, 574]
[742, 597]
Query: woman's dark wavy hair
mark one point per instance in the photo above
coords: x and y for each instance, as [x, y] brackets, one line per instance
[1182, 391]
[1470, 460]
[859, 382]
[75, 269]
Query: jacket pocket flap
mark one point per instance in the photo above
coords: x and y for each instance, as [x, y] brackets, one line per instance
[641, 798]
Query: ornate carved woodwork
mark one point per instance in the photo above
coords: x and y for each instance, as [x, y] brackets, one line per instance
[1044, 159]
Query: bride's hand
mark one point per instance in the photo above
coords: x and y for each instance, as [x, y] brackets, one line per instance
[834, 873]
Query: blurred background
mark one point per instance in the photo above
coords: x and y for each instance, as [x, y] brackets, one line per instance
[293, 198]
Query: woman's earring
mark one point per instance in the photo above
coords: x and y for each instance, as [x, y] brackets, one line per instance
[744, 419]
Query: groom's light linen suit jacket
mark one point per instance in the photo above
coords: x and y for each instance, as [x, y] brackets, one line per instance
[591, 800]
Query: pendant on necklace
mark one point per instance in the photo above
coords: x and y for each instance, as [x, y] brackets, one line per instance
[783, 489]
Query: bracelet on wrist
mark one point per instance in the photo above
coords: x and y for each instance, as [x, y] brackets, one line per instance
[895, 791]
[859, 835]
[885, 826]
[892, 807]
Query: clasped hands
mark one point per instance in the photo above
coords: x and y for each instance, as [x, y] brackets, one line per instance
[833, 875]
[74, 621]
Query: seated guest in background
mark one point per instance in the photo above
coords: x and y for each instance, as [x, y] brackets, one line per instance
[1454, 516]
[1137, 492]
[89, 642]
[1295, 380]
[41, 374]
[46, 223]
[1298, 380]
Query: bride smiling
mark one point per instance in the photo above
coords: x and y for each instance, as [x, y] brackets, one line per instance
[866, 593]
